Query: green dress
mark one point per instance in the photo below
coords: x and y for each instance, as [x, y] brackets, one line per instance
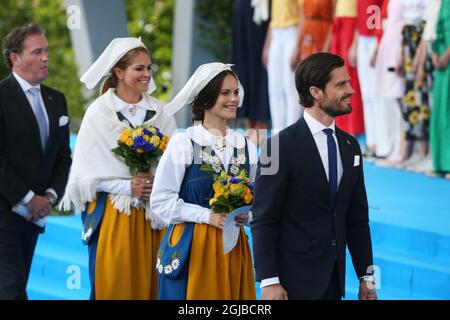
[440, 114]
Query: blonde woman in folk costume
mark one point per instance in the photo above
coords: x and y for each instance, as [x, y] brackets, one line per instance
[181, 193]
[119, 227]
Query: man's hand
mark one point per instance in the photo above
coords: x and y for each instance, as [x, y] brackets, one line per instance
[241, 219]
[367, 291]
[39, 207]
[274, 292]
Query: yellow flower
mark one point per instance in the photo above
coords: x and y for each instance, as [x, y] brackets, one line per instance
[165, 139]
[408, 65]
[147, 138]
[137, 132]
[236, 189]
[248, 197]
[212, 201]
[410, 99]
[414, 117]
[425, 111]
[154, 140]
[129, 142]
[217, 188]
[124, 137]
[153, 130]
[140, 150]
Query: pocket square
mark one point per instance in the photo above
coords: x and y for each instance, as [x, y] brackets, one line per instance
[63, 120]
[356, 161]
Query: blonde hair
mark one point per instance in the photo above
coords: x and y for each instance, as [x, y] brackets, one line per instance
[111, 81]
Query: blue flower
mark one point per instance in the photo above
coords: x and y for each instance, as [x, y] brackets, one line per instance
[251, 186]
[149, 147]
[139, 142]
[224, 182]
[235, 180]
[147, 132]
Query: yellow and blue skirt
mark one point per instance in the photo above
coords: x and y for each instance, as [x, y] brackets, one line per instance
[212, 274]
[122, 255]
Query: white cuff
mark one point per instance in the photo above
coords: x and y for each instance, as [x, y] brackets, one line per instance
[269, 282]
[27, 198]
[53, 192]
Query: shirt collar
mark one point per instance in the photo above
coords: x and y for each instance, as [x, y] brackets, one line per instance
[314, 125]
[25, 85]
[204, 138]
[119, 104]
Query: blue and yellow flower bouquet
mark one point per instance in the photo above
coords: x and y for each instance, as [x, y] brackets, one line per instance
[231, 192]
[141, 148]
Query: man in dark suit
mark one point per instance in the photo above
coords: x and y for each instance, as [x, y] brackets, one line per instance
[34, 154]
[315, 204]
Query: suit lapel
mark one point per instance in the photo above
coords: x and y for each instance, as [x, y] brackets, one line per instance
[52, 116]
[347, 161]
[26, 111]
[312, 155]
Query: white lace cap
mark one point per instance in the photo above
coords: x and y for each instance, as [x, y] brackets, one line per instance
[116, 49]
[201, 77]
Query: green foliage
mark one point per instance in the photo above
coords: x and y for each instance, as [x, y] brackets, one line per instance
[152, 20]
[50, 14]
[215, 27]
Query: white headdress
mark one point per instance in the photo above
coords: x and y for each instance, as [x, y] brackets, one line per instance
[116, 49]
[201, 77]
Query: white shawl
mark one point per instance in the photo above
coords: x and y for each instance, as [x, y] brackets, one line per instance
[93, 160]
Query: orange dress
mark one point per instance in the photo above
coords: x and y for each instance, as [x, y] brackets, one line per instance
[318, 17]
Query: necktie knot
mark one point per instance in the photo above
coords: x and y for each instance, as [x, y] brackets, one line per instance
[34, 92]
[328, 131]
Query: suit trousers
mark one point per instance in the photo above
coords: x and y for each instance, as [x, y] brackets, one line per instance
[16, 254]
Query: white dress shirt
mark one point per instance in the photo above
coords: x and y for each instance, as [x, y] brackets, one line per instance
[123, 186]
[26, 89]
[320, 138]
[165, 200]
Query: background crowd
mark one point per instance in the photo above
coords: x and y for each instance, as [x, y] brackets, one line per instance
[397, 53]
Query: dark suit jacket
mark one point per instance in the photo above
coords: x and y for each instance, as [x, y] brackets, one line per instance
[23, 164]
[297, 235]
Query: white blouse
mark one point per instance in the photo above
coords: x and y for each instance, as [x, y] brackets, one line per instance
[165, 200]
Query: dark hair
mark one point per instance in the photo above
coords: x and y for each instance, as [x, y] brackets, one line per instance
[13, 42]
[111, 81]
[207, 97]
[315, 71]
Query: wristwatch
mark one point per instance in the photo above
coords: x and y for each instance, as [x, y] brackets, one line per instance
[367, 279]
[51, 198]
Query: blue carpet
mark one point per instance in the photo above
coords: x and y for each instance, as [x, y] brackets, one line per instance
[410, 226]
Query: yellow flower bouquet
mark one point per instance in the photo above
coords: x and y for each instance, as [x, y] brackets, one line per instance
[231, 192]
[141, 148]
